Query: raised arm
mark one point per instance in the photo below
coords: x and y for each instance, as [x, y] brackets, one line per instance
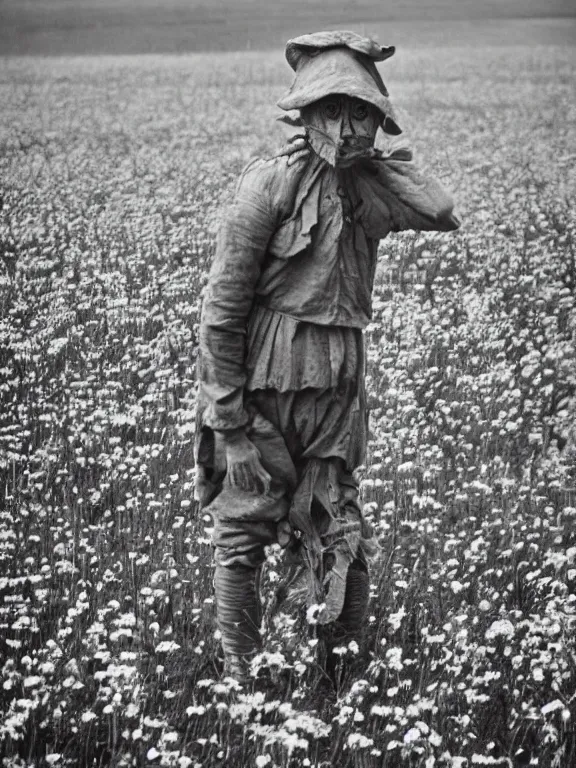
[413, 199]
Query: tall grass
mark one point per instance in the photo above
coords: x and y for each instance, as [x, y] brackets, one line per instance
[114, 175]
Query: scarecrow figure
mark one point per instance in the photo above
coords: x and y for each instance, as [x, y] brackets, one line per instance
[282, 418]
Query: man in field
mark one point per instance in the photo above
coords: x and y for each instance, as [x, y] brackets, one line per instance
[282, 419]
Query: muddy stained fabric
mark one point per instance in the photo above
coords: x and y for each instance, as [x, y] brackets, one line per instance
[302, 241]
[281, 352]
[289, 355]
[306, 440]
[305, 401]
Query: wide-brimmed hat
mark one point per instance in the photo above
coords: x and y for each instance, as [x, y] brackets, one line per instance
[338, 62]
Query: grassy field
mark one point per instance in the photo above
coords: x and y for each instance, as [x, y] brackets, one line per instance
[114, 174]
[60, 27]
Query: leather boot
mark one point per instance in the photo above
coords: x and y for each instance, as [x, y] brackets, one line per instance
[238, 613]
[351, 622]
[353, 616]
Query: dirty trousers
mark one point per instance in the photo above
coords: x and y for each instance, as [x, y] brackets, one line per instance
[307, 442]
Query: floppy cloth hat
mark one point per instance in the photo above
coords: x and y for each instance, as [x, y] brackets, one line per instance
[338, 62]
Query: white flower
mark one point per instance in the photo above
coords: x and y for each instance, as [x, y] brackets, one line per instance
[500, 628]
[395, 619]
[394, 659]
[167, 646]
[435, 739]
[359, 741]
[314, 613]
[412, 735]
[552, 706]
[192, 710]
[538, 674]
[150, 722]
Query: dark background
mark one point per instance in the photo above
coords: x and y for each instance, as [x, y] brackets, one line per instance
[58, 27]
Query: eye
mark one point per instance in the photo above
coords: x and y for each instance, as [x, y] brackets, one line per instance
[332, 109]
[360, 111]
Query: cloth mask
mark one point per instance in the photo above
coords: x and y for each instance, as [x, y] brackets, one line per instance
[341, 129]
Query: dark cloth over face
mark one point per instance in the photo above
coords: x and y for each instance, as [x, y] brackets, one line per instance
[341, 129]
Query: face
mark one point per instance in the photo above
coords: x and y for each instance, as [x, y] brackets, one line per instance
[341, 128]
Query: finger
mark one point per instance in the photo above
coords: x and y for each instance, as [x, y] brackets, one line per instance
[297, 156]
[231, 479]
[246, 480]
[239, 477]
[260, 477]
[290, 149]
[295, 143]
[254, 477]
[298, 138]
[265, 480]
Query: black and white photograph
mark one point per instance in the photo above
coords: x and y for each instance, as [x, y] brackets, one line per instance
[287, 383]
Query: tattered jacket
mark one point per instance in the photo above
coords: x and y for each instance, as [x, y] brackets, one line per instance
[302, 240]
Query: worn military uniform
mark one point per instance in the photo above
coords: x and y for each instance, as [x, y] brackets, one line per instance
[282, 356]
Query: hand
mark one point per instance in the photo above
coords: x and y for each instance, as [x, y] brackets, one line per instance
[244, 469]
[296, 148]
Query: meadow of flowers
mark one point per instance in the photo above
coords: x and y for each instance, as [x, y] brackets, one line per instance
[113, 175]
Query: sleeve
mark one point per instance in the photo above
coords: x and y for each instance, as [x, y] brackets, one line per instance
[241, 246]
[415, 200]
